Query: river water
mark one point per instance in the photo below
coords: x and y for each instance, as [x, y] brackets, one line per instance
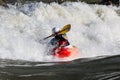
[95, 32]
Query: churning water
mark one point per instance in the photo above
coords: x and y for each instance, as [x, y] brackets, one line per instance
[95, 32]
[95, 29]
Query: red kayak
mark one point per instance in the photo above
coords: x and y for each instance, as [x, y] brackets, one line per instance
[66, 52]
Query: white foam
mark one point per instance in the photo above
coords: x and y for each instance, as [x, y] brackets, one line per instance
[95, 29]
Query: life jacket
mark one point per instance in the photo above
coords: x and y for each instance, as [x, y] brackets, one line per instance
[63, 43]
[59, 40]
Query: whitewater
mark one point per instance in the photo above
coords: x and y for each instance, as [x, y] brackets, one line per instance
[94, 29]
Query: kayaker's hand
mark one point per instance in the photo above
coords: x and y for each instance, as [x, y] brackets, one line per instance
[54, 34]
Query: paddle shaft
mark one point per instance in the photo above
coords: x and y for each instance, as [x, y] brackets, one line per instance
[58, 32]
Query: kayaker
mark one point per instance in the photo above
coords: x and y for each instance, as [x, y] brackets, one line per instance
[59, 40]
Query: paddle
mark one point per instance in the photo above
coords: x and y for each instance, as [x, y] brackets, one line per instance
[64, 30]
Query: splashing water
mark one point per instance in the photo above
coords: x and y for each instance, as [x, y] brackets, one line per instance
[95, 29]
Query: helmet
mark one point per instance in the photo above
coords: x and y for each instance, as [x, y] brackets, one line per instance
[55, 29]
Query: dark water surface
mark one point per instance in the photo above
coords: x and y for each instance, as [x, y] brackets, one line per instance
[82, 69]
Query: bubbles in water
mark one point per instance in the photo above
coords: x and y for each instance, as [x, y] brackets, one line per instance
[95, 29]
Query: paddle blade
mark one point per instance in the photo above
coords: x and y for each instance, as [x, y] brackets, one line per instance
[65, 29]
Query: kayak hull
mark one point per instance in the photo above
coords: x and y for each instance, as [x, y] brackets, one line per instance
[65, 52]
